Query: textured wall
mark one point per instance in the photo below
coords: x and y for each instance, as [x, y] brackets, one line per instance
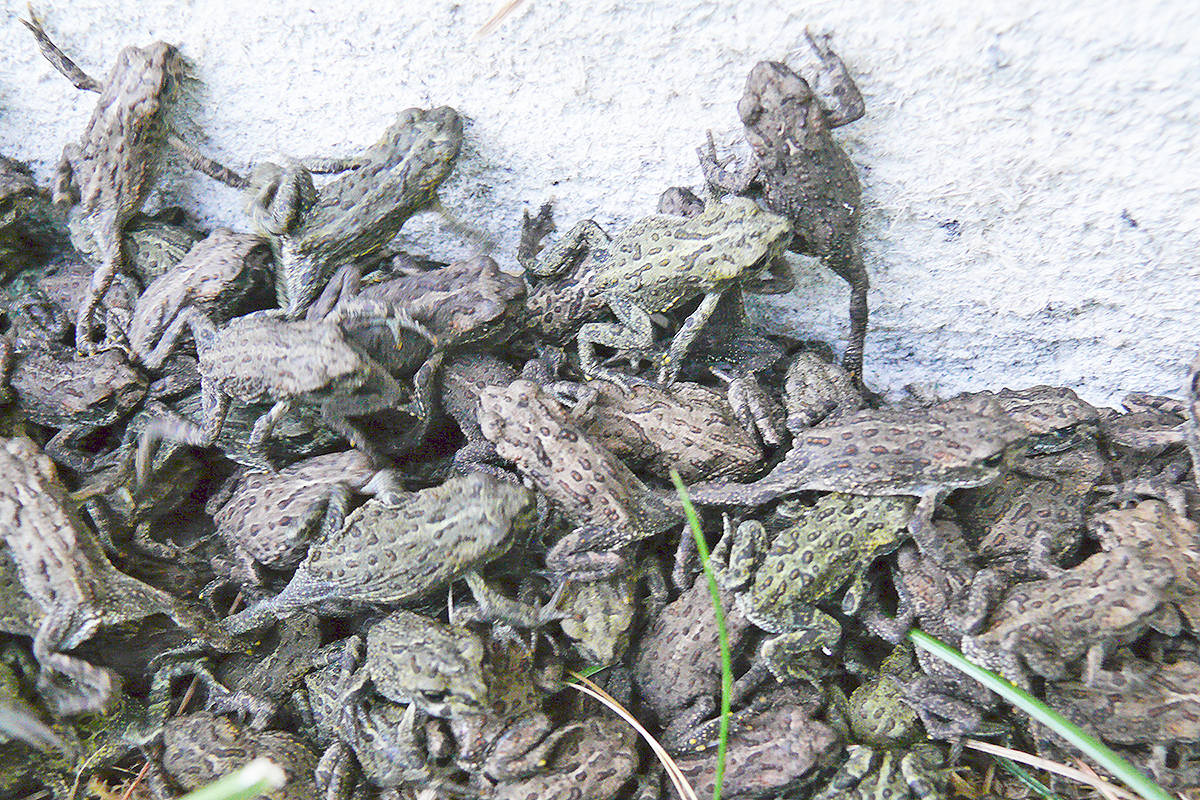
[1032, 195]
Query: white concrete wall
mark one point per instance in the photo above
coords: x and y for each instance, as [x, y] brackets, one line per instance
[1062, 143]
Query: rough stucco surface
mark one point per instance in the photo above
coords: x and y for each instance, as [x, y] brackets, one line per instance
[1031, 188]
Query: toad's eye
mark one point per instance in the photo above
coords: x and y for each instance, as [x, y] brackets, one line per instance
[993, 460]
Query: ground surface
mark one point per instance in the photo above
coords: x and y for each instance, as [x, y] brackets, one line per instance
[1032, 200]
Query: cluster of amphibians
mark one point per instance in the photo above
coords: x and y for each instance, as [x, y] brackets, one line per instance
[366, 509]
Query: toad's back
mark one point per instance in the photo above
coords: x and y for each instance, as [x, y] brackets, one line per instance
[255, 359]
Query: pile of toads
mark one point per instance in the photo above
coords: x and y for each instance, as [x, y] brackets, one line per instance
[367, 511]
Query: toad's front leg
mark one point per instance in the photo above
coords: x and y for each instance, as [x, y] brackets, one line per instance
[58, 59]
[671, 361]
[635, 331]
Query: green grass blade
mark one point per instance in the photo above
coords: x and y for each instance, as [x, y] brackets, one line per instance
[1020, 773]
[255, 779]
[1088, 745]
[723, 637]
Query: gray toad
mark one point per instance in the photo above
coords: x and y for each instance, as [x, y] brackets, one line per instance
[597, 617]
[814, 390]
[262, 357]
[107, 176]
[888, 757]
[1193, 415]
[218, 277]
[201, 747]
[388, 554]
[920, 452]
[27, 230]
[414, 660]
[313, 232]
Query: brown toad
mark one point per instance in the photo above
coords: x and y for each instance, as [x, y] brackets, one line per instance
[1030, 520]
[685, 426]
[463, 379]
[802, 173]
[1045, 626]
[596, 759]
[269, 518]
[677, 665]
[1154, 528]
[607, 503]
[76, 396]
[773, 747]
[106, 178]
[466, 305]
[1146, 704]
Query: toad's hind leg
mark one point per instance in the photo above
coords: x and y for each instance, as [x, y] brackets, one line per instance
[264, 426]
[720, 179]
[179, 429]
[565, 253]
[380, 392]
[58, 59]
[840, 96]
[634, 331]
[108, 255]
[94, 687]
[850, 269]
